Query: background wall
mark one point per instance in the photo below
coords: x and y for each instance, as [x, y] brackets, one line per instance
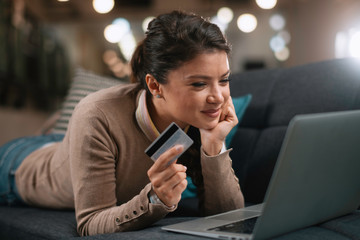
[313, 26]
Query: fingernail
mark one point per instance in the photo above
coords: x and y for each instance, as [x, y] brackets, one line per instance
[185, 168]
[179, 147]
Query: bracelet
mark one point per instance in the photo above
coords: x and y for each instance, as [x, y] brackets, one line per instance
[154, 199]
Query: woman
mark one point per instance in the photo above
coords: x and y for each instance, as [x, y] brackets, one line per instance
[180, 73]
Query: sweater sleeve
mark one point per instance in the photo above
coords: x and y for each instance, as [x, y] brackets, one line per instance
[221, 190]
[93, 156]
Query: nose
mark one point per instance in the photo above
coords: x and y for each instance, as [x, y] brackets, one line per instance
[215, 95]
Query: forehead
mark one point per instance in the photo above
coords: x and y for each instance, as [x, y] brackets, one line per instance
[206, 63]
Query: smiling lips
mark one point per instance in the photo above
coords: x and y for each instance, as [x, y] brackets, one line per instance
[213, 113]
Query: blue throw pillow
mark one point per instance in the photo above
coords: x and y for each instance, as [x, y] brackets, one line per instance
[190, 190]
[240, 105]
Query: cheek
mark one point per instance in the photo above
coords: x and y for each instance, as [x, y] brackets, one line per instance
[226, 94]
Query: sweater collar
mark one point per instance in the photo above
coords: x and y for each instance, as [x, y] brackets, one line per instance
[143, 118]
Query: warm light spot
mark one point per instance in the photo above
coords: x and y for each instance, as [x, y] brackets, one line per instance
[146, 22]
[223, 26]
[283, 55]
[341, 41]
[225, 15]
[266, 4]
[127, 45]
[117, 30]
[247, 22]
[103, 6]
[354, 45]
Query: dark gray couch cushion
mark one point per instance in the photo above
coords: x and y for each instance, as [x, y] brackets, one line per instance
[33, 223]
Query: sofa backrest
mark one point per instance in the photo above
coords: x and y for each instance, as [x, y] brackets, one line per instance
[277, 96]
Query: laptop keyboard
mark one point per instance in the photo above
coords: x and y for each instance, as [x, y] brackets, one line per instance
[243, 226]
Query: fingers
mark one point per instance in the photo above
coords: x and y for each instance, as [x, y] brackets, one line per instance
[170, 176]
[163, 161]
[168, 181]
[228, 112]
[171, 195]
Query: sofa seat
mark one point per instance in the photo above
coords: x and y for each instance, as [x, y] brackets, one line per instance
[34, 223]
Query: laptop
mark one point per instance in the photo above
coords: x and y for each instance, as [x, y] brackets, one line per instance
[316, 178]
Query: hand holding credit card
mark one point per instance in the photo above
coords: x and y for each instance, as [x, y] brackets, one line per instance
[171, 136]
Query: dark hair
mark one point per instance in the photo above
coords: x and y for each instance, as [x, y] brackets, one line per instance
[171, 40]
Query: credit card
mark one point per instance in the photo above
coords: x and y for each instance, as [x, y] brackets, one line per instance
[171, 136]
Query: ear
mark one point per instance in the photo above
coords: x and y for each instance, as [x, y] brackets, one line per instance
[152, 85]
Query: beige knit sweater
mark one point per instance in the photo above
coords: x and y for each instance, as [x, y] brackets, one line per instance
[100, 169]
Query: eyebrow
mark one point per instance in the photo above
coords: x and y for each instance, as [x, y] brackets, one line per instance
[205, 76]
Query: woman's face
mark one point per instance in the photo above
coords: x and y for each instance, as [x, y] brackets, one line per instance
[196, 92]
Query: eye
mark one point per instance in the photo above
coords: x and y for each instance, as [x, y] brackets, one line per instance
[198, 84]
[225, 81]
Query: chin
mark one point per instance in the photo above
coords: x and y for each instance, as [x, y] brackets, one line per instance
[208, 125]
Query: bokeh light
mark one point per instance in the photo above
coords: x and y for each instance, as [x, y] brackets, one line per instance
[223, 26]
[225, 15]
[277, 43]
[247, 22]
[341, 41]
[277, 22]
[283, 55]
[127, 45]
[285, 35]
[266, 4]
[354, 44]
[103, 6]
[117, 30]
[146, 22]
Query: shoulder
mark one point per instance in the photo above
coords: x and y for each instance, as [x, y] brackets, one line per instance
[112, 103]
[121, 91]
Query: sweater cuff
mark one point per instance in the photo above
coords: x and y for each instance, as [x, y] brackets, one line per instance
[154, 199]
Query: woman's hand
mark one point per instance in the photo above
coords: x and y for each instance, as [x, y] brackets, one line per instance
[213, 139]
[168, 181]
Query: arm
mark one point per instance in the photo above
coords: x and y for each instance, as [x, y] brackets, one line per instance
[221, 191]
[93, 157]
[221, 187]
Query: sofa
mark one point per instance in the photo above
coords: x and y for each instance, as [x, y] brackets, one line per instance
[277, 96]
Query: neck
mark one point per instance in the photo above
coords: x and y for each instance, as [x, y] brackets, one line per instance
[157, 113]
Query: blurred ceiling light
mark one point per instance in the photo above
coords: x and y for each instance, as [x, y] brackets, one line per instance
[277, 22]
[225, 15]
[127, 45]
[117, 30]
[283, 55]
[146, 22]
[103, 6]
[347, 44]
[123, 24]
[285, 35]
[63, 0]
[223, 26]
[113, 33]
[247, 22]
[277, 43]
[354, 44]
[266, 4]
[341, 41]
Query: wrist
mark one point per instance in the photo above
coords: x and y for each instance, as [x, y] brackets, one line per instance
[154, 199]
[214, 149]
